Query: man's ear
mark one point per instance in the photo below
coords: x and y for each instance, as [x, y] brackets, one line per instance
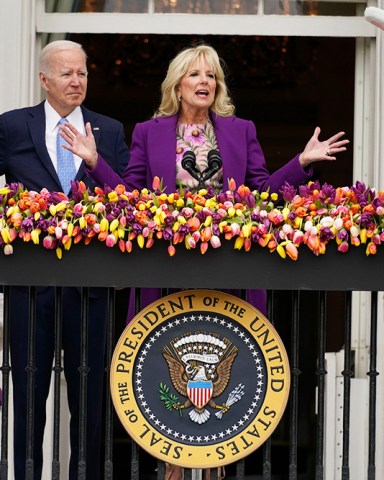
[43, 81]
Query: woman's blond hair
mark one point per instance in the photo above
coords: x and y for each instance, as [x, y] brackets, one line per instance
[178, 67]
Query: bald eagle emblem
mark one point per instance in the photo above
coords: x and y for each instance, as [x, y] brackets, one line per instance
[200, 366]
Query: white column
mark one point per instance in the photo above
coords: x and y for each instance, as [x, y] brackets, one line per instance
[18, 82]
[17, 54]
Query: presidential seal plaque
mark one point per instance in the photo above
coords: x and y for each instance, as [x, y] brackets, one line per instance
[200, 378]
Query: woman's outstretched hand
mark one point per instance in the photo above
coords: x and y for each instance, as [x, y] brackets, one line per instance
[82, 146]
[316, 151]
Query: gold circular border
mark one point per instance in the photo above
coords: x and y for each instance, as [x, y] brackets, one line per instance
[243, 443]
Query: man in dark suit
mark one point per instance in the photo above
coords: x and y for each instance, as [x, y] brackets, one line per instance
[30, 154]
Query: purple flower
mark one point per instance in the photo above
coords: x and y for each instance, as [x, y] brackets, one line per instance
[326, 234]
[328, 193]
[367, 220]
[307, 190]
[169, 220]
[137, 228]
[168, 233]
[288, 192]
[184, 229]
[27, 224]
[343, 235]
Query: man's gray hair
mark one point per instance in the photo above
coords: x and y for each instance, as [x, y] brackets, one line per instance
[57, 46]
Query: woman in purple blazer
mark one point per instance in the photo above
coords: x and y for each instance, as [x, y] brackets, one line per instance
[195, 117]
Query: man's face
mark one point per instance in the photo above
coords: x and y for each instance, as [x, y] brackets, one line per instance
[65, 81]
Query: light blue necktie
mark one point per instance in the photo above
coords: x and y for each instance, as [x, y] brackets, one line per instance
[66, 169]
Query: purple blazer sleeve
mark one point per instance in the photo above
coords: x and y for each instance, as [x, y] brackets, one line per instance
[258, 176]
[244, 161]
[136, 175]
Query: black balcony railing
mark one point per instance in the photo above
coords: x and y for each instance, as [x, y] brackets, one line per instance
[309, 301]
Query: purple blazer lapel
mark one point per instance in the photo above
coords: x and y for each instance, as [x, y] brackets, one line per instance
[233, 148]
[162, 150]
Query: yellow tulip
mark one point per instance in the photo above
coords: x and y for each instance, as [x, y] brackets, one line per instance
[208, 221]
[104, 224]
[140, 240]
[60, 206]
[113, 225]
[5, 235]
[4, 191]
[274, 196]
[231, 211]
[285, 212]
[113, 197]
[246, 230]
[35, 236]
[239, 242]
[281, 251]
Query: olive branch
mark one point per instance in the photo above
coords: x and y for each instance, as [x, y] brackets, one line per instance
[170, 400]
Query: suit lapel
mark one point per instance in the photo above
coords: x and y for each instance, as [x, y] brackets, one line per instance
[36, 125]
[92, 118]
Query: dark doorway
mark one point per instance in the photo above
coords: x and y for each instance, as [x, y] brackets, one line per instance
[286, 85]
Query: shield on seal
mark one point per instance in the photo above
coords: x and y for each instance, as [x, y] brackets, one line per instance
[199, 392]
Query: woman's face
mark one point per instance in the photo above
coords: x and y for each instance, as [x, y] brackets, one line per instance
[197, 87]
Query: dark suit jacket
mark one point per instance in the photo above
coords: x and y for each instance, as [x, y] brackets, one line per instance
[24, 157]
[153, 153]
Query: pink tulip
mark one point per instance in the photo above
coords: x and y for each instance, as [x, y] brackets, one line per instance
[215, 241]
[58, 232]
[203, 247]
[190, 241]
[292, 251]
[156, 183]
[343, 247]
[110, 240]
[171, 250]
[49, 242]
[371, 249]
[298, 237]
[8, 249]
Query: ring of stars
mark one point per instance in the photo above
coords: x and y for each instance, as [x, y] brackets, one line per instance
[220, 435]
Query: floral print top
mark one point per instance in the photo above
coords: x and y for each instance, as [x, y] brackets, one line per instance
[200, 139]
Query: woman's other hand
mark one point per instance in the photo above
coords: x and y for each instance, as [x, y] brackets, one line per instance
[316, 151]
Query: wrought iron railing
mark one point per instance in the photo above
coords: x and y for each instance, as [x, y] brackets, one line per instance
[294, 289]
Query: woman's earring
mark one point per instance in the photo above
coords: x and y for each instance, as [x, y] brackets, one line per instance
[179, 98]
